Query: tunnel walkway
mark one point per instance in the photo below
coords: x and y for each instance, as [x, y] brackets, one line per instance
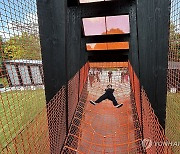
[103, 128]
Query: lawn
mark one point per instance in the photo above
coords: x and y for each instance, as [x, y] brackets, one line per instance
[17, 110]
[4, 82]
[173, 119]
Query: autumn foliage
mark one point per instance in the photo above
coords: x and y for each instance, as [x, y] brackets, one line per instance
[109, 46]
[113, 31]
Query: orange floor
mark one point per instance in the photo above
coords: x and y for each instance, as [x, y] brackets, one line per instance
[104, 128]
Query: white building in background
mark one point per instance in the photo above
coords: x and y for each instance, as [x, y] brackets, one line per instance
[24, 72]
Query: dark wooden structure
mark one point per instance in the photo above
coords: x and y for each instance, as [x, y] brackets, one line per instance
[64, 45]
[24, 72]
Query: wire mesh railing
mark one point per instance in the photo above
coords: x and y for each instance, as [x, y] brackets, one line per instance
[103, 128]
[23, 118]
[61, 109]
[173, 78]
[29, 124]
[154, 139]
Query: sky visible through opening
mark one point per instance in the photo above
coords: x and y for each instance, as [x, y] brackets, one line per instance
[103, 25]
[107, 46]
[17, 16]
[106, 26]
[25, 12]
[90, 1]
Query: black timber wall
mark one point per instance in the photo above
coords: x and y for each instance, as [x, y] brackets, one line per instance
[63, 51]
[60, 35]
[63, 55]
[152, 32]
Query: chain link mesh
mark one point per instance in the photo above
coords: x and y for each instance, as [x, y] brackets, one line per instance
[73, 87]
[28, 125]
[152, 129]
[154, 139]
[23, 116]
[103, 128]
[173, 78]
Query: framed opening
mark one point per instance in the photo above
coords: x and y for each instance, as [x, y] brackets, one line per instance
[107, 46]
[91, 1]
[106, 25]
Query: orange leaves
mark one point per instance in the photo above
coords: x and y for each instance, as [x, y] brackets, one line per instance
[109, 46]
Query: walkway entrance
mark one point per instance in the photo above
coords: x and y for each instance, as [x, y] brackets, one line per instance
[104, 128]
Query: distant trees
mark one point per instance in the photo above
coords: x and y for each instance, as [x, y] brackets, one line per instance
[89, 47]
[1, 49]
[109, 46]
[113, 31]
[24, 46]
[174, 43]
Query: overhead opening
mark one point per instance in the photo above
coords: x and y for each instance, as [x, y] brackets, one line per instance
[108, 64]
[90, 1]
[106, 25]
[107, 46]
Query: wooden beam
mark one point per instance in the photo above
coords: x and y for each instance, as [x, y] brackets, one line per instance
[106, 38]
[105, 8]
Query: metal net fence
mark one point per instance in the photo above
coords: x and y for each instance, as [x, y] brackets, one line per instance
[23, 116]
[103, 128]
[61, 109]
[154, 138]
[29, 124]
[173, 78]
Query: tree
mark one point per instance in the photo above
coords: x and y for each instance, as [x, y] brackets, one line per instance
[25, 46]
[89, 47]
[113, 31]
[110, 46]
[174, 43]
[1, 49]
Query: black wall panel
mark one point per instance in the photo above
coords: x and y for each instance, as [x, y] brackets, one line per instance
[60, 33]
[133, 54]
[52, 23]
[64, 54]
[153, 32]
[73, 41]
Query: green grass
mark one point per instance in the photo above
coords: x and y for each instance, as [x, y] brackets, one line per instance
[4, 82]
[17, 110]
[173, 119]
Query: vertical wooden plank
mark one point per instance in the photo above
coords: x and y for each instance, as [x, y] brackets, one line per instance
[52, 25]
[153, 28]
[133, 52]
